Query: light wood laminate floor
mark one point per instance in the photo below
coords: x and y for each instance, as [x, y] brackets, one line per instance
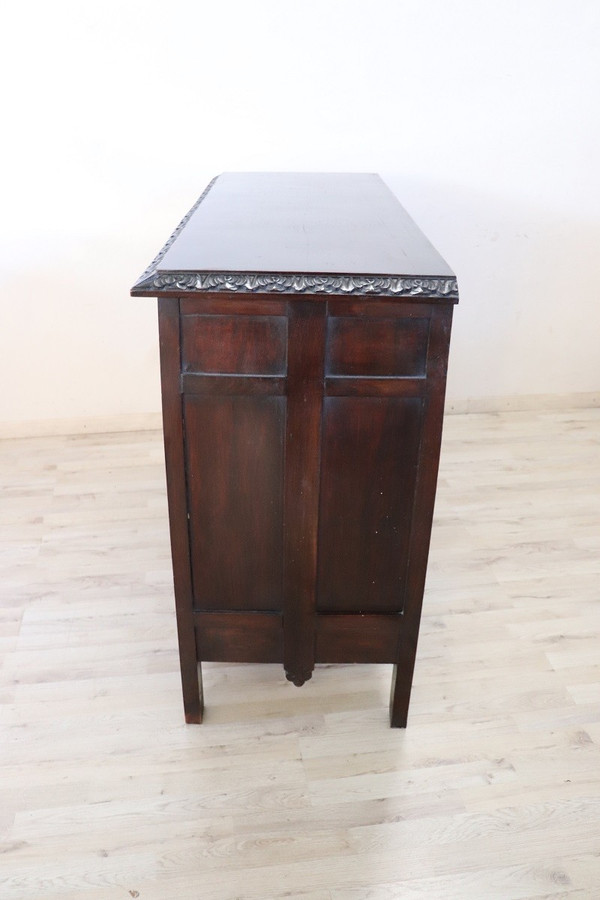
[493, 791]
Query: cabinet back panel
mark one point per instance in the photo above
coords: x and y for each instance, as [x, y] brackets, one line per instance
[369, 467]
[235, 500]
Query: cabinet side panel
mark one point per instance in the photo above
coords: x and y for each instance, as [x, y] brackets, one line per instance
[370, 457]
[234, 447]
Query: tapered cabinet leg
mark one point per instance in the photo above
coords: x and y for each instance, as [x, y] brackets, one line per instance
[404, 669]
[193, 695]
[170, 354]
[399, 699]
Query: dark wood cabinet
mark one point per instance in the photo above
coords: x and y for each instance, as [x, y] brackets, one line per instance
[304, 332]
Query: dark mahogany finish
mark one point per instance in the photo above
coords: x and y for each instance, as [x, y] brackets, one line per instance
[369, 467]
[302, 405]
[234, 463]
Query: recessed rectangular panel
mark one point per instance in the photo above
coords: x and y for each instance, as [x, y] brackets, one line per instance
[369, 470]
[357, 638]
[240, 345]
[239, 637]
[234, 449]
[376, 347]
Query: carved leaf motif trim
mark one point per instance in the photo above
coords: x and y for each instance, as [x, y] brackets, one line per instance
[253, 282]
[144, 277]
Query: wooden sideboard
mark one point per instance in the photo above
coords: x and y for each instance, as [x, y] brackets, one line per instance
[304, 331]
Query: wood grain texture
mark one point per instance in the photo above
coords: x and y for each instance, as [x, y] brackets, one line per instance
[492, 792]
[229, 344]
[369, 467]
[239, 637]
[358, 638]
[376, 346]
[235, 495]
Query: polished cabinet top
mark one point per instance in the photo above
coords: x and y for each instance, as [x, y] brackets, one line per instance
[299, 233]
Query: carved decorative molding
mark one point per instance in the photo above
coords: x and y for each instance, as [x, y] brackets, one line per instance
[261, 283]
[142, 280]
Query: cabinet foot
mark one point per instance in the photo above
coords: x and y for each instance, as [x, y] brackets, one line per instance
[193, 696]
[399, 699]
[298, 678]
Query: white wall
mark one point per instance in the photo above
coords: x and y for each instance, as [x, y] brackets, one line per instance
[481, 116]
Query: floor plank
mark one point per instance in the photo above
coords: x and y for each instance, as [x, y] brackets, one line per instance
[491, 792]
